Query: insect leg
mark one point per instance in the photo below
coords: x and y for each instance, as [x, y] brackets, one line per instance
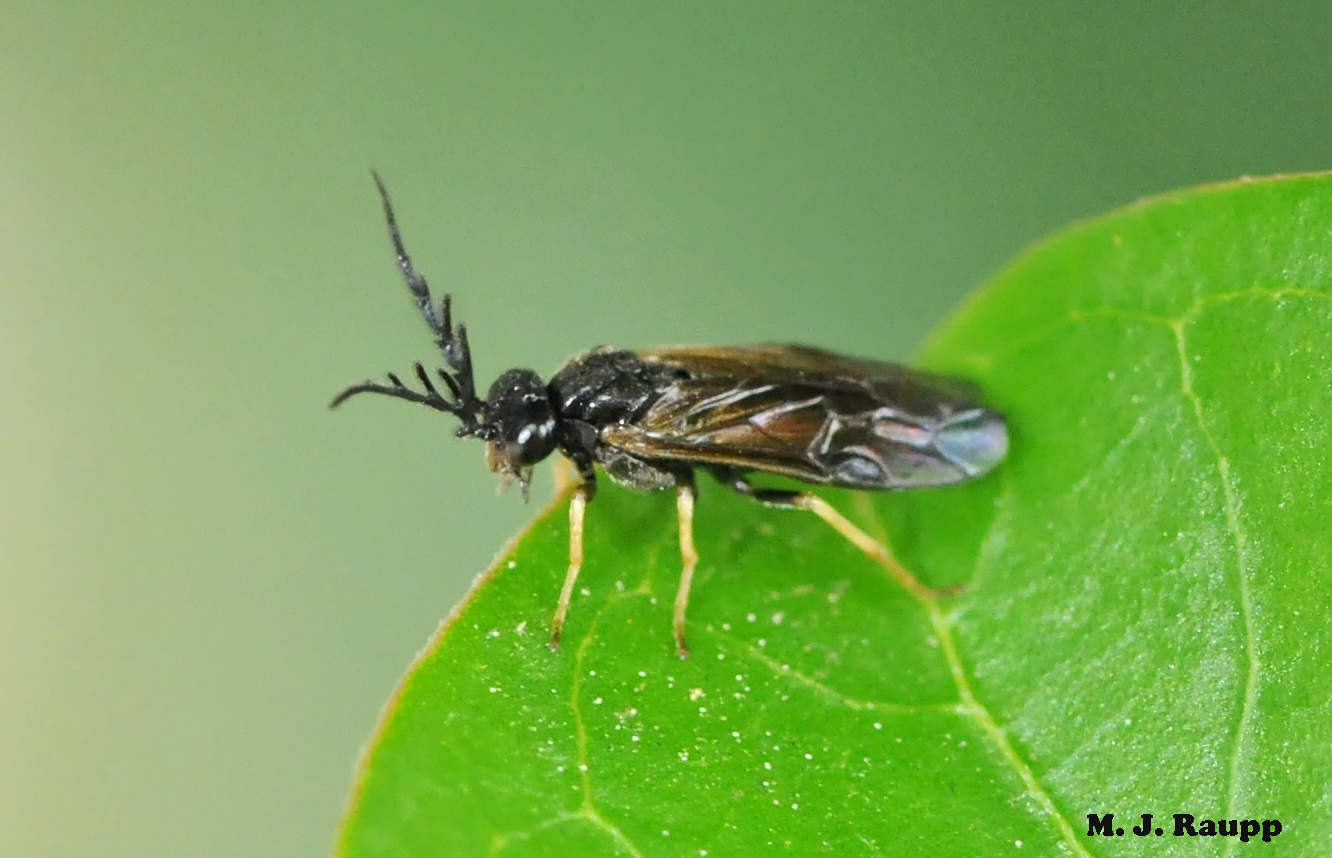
[565, 474]
[577, 508]
[684, 507]
[878, 552]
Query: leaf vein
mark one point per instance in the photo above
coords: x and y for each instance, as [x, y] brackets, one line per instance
[978, 713]
[1203, 301]
[588, 810]
[583, 814]
[1041, 334]
[1236, 530]
[827, 691]
[997, 735]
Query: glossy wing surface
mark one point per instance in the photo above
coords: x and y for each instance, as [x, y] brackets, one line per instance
[796, 363]
[816, 416]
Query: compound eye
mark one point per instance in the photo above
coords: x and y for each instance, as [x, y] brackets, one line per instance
[535, 441]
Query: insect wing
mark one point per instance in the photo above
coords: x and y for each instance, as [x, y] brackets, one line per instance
[815, 416]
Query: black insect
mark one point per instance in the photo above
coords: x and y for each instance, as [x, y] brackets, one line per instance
[652, 417]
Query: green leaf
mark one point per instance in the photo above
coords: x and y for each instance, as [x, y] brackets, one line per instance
[1144, 627]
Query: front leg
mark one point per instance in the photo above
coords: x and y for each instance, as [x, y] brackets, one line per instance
[577, 511]
[583, 463]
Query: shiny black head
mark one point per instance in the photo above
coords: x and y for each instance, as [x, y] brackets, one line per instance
[518, 423]
[516, 419]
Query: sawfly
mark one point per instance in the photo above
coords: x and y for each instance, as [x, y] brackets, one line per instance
[651, 418]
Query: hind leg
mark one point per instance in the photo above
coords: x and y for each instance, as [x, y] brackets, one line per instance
[878, 552]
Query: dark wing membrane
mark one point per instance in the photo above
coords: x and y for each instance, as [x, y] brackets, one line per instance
[795, 363]
[815, 416]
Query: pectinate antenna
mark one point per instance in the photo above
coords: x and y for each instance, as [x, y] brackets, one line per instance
[431, 398]
[452, 341]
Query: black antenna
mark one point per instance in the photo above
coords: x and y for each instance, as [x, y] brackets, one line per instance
[452, 342]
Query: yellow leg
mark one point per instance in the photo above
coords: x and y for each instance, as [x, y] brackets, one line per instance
[684, 507]
[876, 551]
[565, 474]
[577, 509]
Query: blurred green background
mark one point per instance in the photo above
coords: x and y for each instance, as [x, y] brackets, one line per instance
[208, 582]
